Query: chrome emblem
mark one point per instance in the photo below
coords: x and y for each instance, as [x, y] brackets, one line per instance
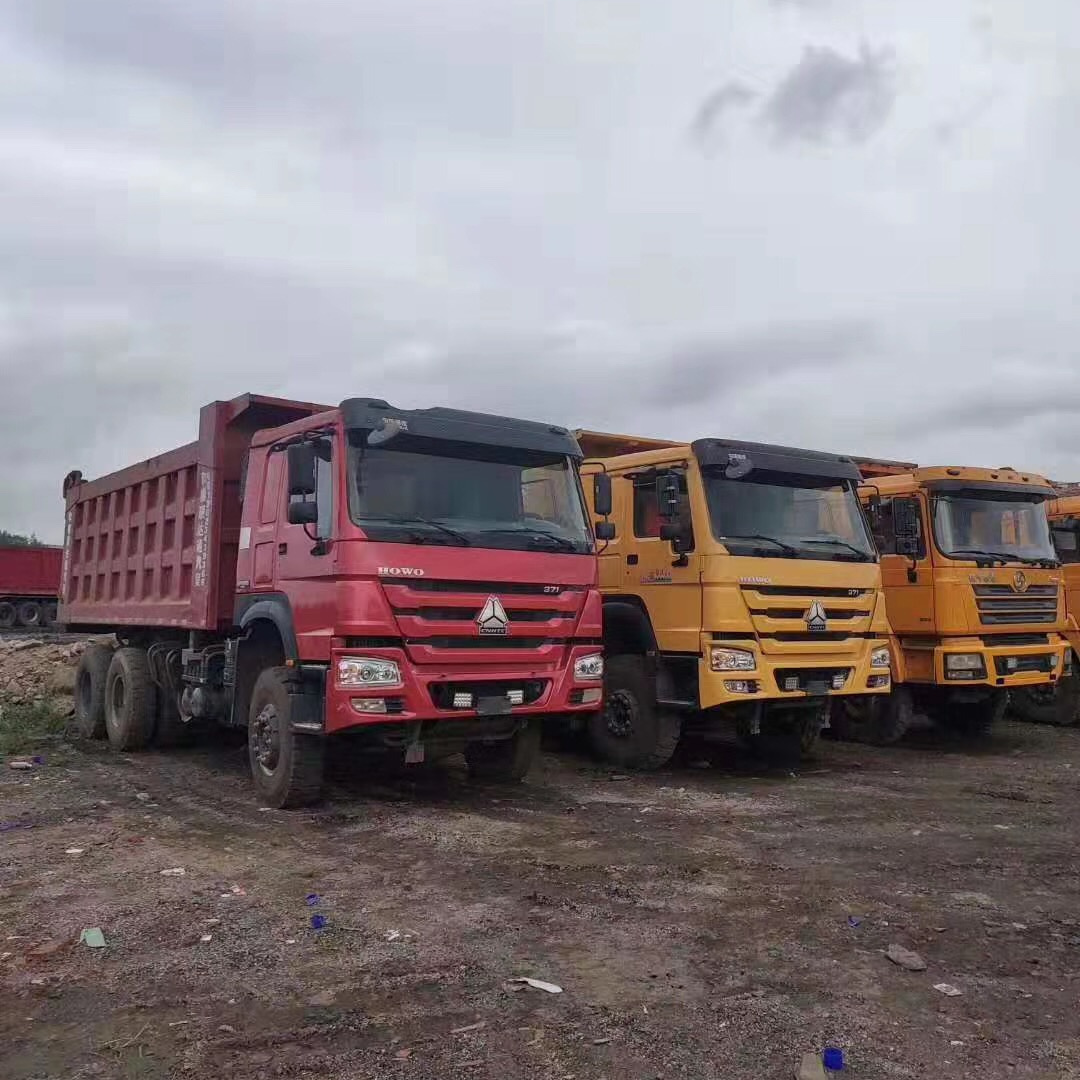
[1020, 582]
[815, 617]
[492, 619]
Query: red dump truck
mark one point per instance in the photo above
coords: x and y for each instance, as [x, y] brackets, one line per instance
[29, 584]
[420, 582]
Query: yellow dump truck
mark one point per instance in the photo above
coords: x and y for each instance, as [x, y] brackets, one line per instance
[740, 584]
[1059, 703]
[974, 594]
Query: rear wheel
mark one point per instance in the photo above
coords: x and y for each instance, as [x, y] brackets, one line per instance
[286, 766]
[130, 699]
[508, 761]
[632, 730]
[8, 615]
[877, 719]
[1050, 704]
[90, 678]
[29, 614]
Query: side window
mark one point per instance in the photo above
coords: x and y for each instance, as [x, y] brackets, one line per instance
[324, 488]
[271, 494]
[1067, 543]
[646, 512]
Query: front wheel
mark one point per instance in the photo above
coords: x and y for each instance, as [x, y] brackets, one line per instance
[286, 766]
[877, 719]
[508, 761]
[632, 730]
[1050, 704]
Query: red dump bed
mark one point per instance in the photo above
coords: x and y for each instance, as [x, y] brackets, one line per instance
[30, 571]
[155, 544]
[874, 467]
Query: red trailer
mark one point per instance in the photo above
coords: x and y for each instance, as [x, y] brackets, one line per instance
[29, 584]
[422, 581]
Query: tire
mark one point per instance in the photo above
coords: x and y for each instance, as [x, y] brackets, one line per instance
[50, 613]
[509, 761]
[286, 766]
[8, 615]
[130, 700]
[30, 614]
[89, 691]
[785, 735]
[1051, 704]
[974, 719]
[632, 731]
[877, 719]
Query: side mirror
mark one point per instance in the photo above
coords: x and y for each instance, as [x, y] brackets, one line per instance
[602, 494]
[303, 513]
[675, 534]
[301, 463]
[605, 530]
[873, 506]
[667, 496]
[906, 526]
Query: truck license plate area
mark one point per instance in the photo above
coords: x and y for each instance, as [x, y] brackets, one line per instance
[493, 705]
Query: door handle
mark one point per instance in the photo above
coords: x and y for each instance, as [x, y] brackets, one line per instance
[283, 549]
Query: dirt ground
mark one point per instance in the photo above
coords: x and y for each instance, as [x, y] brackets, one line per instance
[701, 923]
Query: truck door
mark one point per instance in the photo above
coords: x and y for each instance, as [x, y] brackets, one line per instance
[668, 583]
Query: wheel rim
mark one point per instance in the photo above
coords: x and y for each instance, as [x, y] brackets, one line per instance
[266, 740]
[620, 713]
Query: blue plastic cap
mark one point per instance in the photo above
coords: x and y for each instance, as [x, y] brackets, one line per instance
[832, 1058]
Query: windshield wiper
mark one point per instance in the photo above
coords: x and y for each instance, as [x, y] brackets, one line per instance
[861, 552]
[1003, 557]
[431, 523]
[787, 549]
[538, 536]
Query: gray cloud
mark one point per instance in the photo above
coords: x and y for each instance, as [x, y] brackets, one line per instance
[498, 207]
[828, 95]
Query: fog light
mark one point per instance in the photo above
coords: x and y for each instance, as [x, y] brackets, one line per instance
[791, 682]
[875, 682]
[369, 704]
[1053, 662]
[462, 701]
[592, 696]
[723, 659]
[1067, 670]
[516, 697]
[839, 680]
[740, 686]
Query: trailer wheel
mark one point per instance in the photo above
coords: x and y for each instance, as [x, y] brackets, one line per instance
[286, 766]
[632, 730]
[30, 614]
[509, 761]
[1052, 704]
[130, 700]
[90, 678]
[8, 615]
[877, 719]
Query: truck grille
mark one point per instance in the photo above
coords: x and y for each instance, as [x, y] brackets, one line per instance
[812, 680]
[1013, 665]
[781, 613]
[1000, 605]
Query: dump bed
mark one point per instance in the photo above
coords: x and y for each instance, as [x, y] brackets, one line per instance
[605, 444]
[876, 467]
[155, 544]
[30, 571]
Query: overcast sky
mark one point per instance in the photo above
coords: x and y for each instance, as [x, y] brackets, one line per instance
[837, 224]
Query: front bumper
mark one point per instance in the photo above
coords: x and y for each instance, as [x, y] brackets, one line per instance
[820, 674]
[427, 693]
[1003, 665]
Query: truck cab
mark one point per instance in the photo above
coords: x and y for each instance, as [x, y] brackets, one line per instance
[1059, 703]
[740, 587]
[418, 581]
[974, 591]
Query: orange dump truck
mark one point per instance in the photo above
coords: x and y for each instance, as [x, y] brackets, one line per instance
[973, 591]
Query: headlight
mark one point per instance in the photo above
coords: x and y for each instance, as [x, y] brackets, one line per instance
[367, 671]
[880, 657]
[589, 667]
[731, 659]
[963, 662]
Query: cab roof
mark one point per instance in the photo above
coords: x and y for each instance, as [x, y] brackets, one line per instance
[954, 478]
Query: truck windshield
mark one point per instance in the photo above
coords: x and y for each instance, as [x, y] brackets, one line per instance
[967, 526]
[425, 491]
[790, 517]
